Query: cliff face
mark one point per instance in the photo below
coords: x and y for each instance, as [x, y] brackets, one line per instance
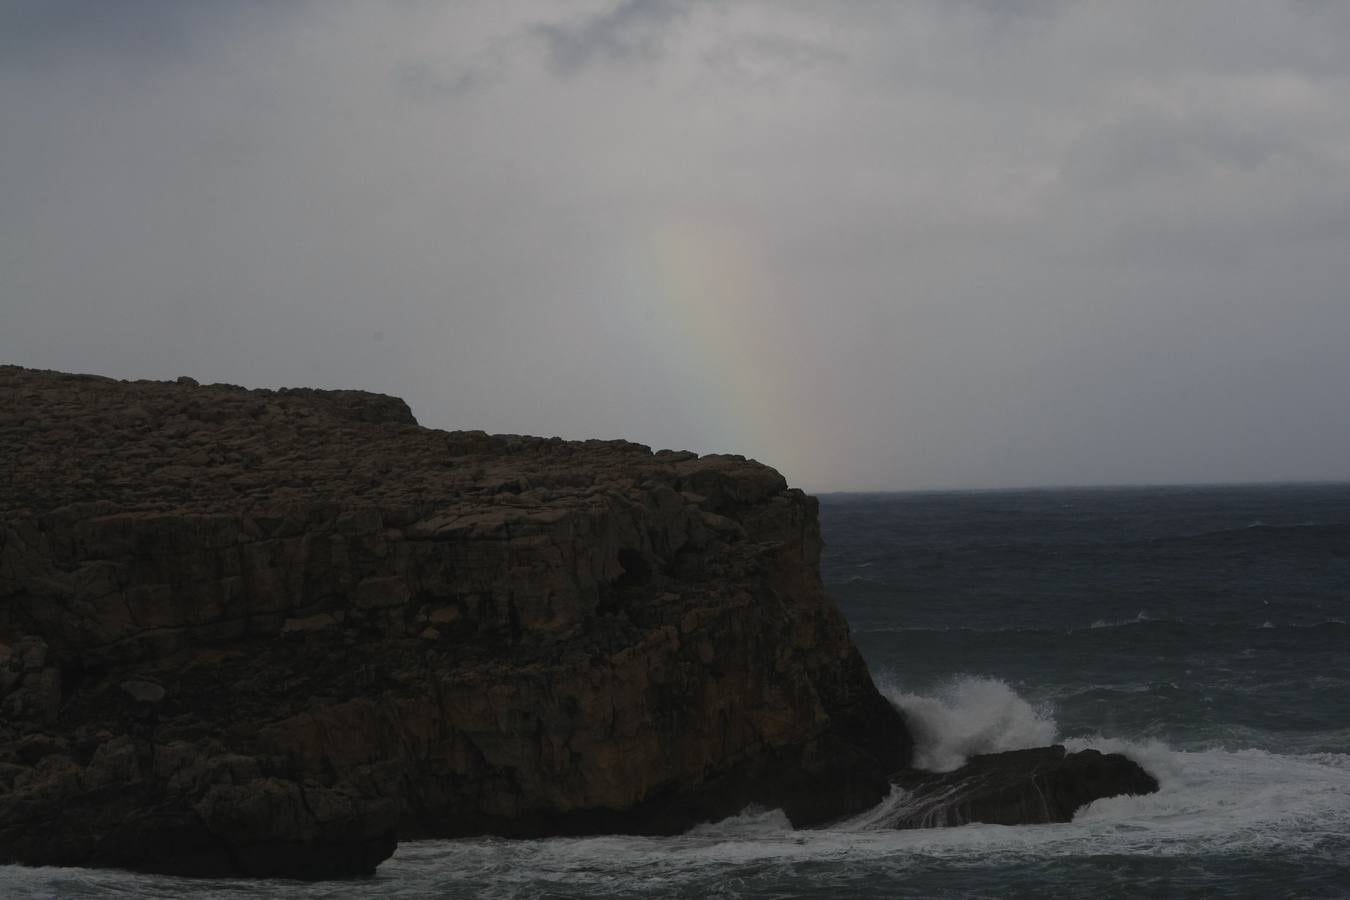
[266, 632]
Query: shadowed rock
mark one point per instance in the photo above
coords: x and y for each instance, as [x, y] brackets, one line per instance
[1020, 787]
[266, 632]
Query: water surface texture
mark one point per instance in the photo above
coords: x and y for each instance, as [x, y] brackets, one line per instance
[1200, 630]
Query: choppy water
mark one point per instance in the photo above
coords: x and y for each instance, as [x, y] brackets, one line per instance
[1200, 630]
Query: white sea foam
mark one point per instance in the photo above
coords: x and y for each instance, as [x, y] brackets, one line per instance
[1225, 800]
[1139, 619]
[751, 821]
[1213, 802]
[969, 715]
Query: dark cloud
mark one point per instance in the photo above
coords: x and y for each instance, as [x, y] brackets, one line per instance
[630, 30]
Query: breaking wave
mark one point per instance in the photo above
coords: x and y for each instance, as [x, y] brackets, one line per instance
[969, 715]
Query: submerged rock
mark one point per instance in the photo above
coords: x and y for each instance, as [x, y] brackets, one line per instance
[268, 632]
[1019, 787]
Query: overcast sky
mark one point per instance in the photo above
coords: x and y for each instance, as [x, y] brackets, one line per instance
[957, 243]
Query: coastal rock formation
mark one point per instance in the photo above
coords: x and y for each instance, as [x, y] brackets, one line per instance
[266, 632]
[270, 632]
[1019, 787]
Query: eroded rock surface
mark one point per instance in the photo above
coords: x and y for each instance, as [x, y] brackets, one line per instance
[1019, 787]
[267, 632]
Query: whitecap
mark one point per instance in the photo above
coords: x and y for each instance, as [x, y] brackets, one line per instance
[1140, 618]
[969, 715]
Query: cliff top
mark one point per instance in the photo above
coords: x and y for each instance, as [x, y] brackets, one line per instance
[110, 446]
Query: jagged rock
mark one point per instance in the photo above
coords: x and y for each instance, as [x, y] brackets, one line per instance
[1020, 787]
[360, 628]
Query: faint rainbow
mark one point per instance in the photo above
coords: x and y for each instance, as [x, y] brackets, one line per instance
[717, 304]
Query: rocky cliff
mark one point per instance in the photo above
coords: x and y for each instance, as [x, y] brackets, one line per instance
[266, 632]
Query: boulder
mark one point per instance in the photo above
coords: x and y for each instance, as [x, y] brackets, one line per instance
[1020, 787]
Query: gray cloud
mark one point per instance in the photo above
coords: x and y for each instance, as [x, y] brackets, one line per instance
[631, 29]
[877, 245]
[48, 34]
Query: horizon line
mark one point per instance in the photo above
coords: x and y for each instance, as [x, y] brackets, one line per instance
[1129, 485]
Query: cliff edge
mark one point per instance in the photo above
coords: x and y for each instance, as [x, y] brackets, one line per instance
[268, 632]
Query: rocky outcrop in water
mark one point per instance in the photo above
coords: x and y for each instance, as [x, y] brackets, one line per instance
[265, 633]
[1019, 787]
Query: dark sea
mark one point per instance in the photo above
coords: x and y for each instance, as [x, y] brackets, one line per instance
[1200, 630]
